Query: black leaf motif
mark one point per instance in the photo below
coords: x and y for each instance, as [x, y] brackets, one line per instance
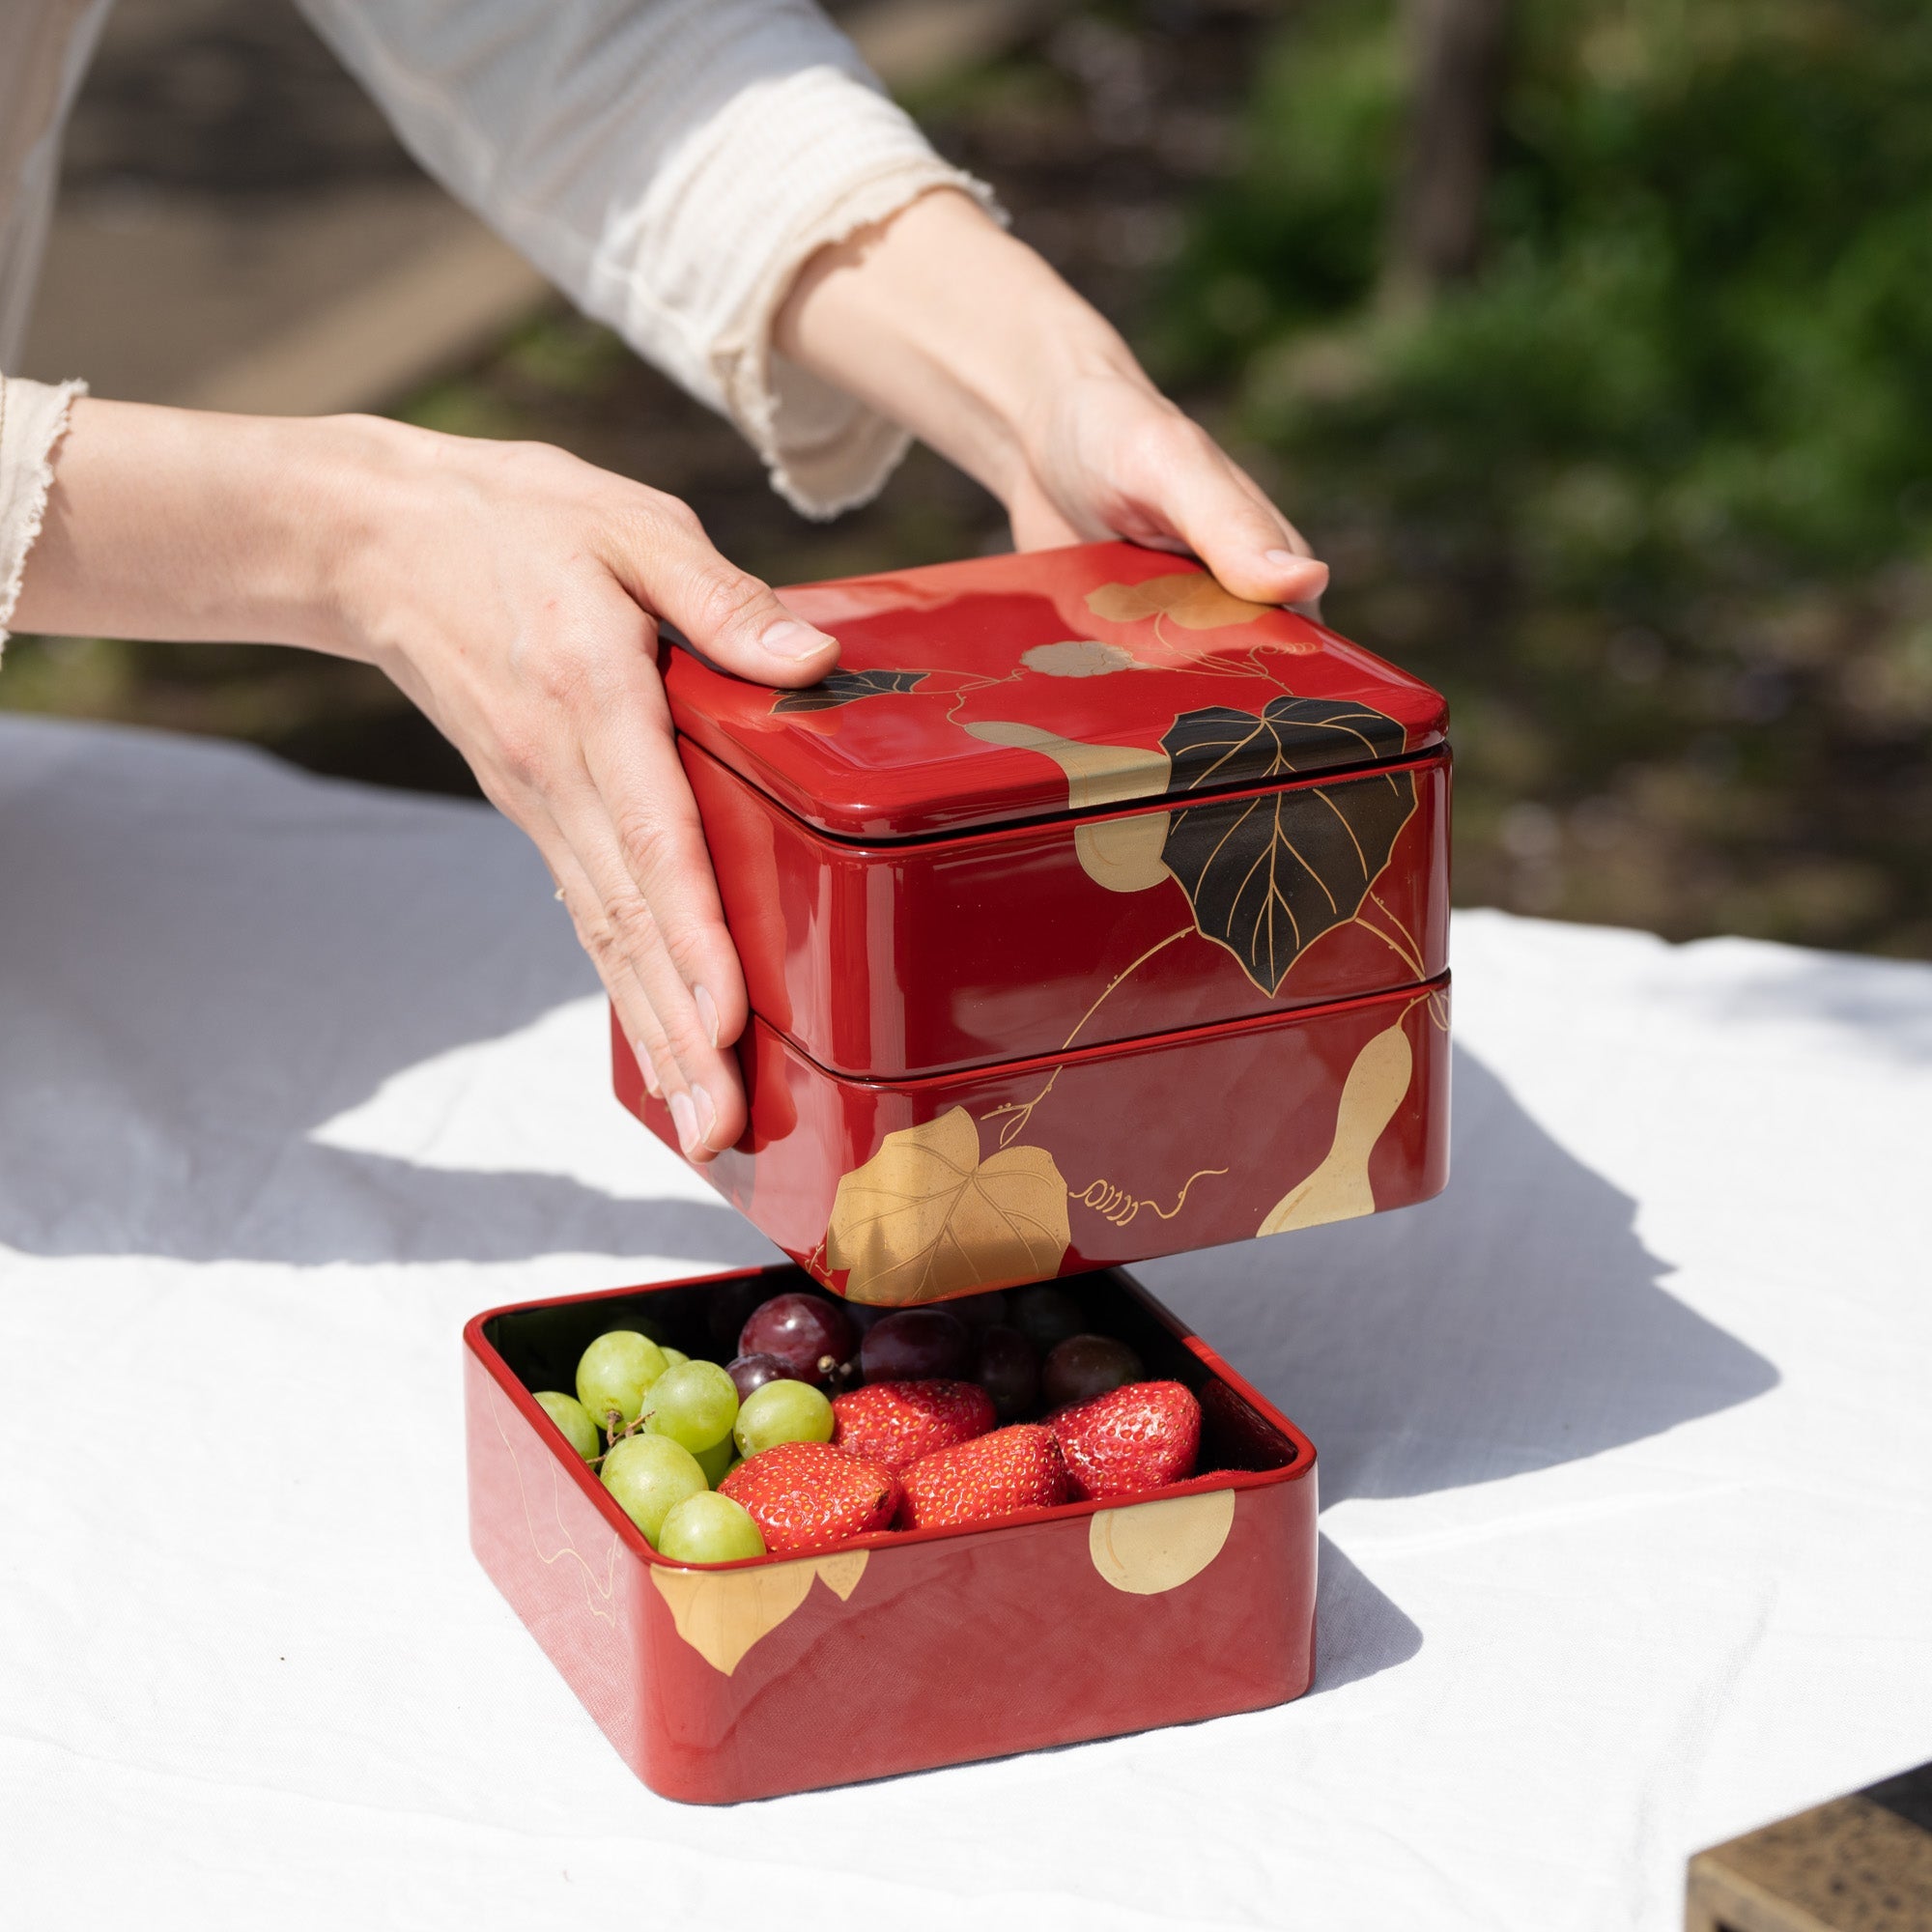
[846, 687]
[1267, 876]
[1219, 747]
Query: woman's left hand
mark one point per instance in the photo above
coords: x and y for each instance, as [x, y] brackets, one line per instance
[940, 319]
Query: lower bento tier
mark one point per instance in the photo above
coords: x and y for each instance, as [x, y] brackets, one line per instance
[905, 1649]
[897, 1192]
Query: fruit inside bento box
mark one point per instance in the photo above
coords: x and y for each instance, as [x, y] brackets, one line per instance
[757, 1416]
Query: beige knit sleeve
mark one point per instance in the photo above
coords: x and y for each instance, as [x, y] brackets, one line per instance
[670, 164]
[33, 419]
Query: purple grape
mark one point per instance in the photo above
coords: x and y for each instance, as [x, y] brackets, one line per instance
[1009, 1371]
[750, 1371]
[1084, 1366]
[1046, 1315]
[805, 1331]
[916, 1345]
[980, 1311]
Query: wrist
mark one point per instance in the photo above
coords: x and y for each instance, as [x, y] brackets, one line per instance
[941, 320]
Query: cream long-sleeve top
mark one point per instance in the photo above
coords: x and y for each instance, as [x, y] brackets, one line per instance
[670, 164]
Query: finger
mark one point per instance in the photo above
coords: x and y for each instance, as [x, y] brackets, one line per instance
[665, 561]
[1203, 498]
[626, 991]
[579, 900]
[1307, 607]
[1245, 541]
[699, 1081]
[634, 829]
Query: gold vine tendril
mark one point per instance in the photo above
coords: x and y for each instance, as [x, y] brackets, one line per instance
[1211, 663]
[1022, 1110]
[1118, 1206]
[1405, 949]
[978, 681]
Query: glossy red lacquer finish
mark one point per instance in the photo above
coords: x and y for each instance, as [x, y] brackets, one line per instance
[1087, 914]
[1103, 646]
[902, 1651]
[884, 960]
[1183, 1141]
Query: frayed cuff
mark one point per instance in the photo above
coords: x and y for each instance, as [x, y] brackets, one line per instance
[33, 419]
[825, 452]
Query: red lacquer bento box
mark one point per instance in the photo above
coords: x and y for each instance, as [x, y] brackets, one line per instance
[904, 1650]
[1087, 911]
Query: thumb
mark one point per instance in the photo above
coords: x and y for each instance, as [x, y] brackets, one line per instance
[1251, 548]
[734, 618]
[1224, 516]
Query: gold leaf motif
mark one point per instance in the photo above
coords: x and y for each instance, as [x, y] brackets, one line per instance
[1190, 597]
[925, 1217]
[1124, 853]
[722, 1613]
[1148, 1547]
[1339, 1190]
[1080, 658]
[1096, 775]
[840, 1574]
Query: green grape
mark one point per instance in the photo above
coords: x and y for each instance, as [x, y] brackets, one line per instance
[650, 1475]
[614, 1372]
[672, 1356]
[694, 1403]
[570, 1415]
[783, 1411]
[709, 1528]
[717, 1460]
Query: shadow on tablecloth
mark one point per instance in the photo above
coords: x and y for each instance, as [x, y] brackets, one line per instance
[1515, 1321]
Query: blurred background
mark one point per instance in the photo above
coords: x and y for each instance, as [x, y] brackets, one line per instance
[1589, 340]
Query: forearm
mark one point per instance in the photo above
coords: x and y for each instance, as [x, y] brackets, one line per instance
[176, 525]
[941, 320]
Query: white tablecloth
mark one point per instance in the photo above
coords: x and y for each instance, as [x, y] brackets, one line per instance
[1625, 1441]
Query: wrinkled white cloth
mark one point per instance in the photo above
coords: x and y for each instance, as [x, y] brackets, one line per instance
[670, 164]
[1627, 1543]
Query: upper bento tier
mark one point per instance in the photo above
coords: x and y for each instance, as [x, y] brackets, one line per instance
[1014, 687]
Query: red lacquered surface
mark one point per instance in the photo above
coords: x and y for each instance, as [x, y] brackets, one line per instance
[906, 1192]
[904, 1651]
[1011, 942]
[1010, 687]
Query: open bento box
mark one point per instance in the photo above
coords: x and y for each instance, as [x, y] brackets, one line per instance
[1087, 914]
[902, 1650]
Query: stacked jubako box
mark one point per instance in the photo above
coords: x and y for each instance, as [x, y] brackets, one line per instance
[1087, 914]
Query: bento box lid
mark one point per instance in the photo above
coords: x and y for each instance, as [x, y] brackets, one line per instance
[1014, 687]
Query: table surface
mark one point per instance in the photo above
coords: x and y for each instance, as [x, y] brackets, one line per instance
[1627, 1540]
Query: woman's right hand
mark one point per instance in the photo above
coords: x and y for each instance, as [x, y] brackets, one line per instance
[515, 593]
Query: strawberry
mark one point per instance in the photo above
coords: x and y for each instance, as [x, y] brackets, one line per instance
[806, 1494]
[1142, 1437]
[893, 1424]
[1016, 1469]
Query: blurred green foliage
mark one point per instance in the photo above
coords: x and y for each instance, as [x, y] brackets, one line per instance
[1651, 494]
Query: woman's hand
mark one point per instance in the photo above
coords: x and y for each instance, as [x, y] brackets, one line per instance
[514, 593]
[941, 320]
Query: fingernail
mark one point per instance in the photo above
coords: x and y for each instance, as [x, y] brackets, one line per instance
[707, 1013]
[649, 1071]
[1281, 560]
[685, 1121]
[791, 639]
[707, 1115]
